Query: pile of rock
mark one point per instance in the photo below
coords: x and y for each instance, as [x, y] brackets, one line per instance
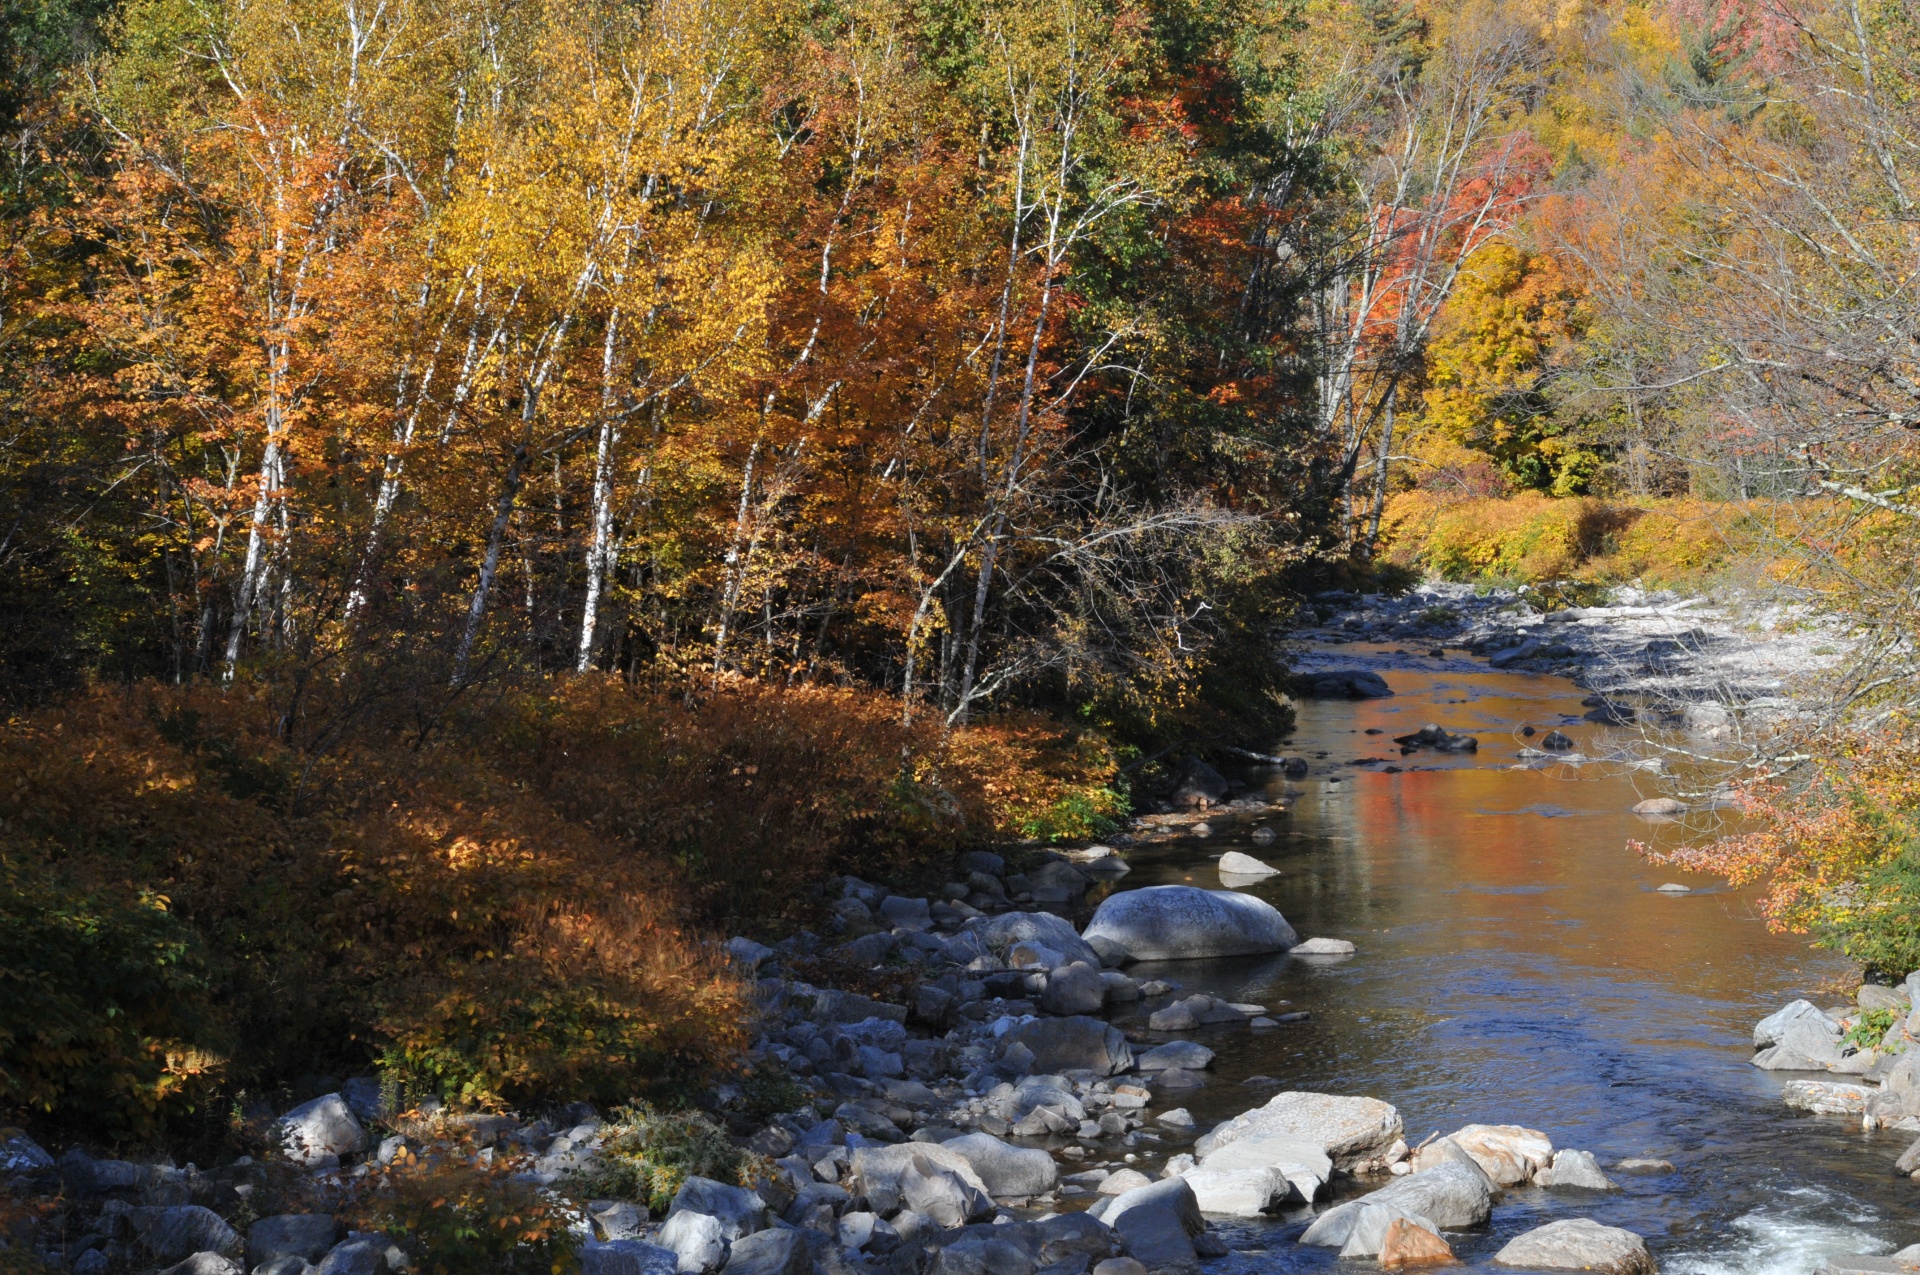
[1882, 1065]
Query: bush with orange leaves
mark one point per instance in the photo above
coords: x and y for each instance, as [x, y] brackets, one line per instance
[1839, 848]
[512, 902]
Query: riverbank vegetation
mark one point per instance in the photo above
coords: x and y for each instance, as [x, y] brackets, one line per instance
[490, 495]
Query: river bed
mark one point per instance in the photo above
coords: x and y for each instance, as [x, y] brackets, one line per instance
[1516, 964]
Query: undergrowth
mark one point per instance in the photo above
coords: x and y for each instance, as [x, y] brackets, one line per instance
[646, 1155]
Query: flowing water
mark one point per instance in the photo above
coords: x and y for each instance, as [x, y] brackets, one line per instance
[1516, 965]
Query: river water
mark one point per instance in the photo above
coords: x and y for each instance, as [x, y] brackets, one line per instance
[1517, 966]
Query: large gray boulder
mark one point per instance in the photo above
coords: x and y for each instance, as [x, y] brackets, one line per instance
[1575, 1169]
[1159, 1223]
[625, 1257]
[1306, 1167]
[315, 1130]
[181, 1230]
[1063, 1242]
[1238, 1191]
[1769, 1029]
[778, 1252]
[1368, 1234]
[697, 1241]
[1450, 1196]
[1350, 1131]
[304, 1235]
[1074, 989]
[1001, 933]
[205, 1264]
[914, 1175]
[1578, 1244]
[1073, 1044]
[738, 1210]
[1180, 922]
[1007, 1171]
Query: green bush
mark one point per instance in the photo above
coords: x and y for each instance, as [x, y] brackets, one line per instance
[103, 1005]
[647, 1154]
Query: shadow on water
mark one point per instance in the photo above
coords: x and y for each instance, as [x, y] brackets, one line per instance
[1517, 965]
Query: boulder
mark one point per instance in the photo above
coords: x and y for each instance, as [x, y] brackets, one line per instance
[1074, 989]
[205, 1264]
[982, 861]
[1175, 1053]
[1578, 1244]
[1304, 1164]
[625, 1257]
[774, 1252]
[1872, 996]
[1001, 933]
[1797, 1038]
[1446, 1151]
[1660, 806]
[1159, 1223]
[738, 1210]
[1575, 1169]
[618, 1219]
[315, 1130]
[1450, 1196]
[1555, 741]
[362, 1255]
[916, 1175]
[1408, 1246]
[181, 1230]
[1121, 1181]
[1006, 1171]
[1826, 1097]
[697, 1241]
[1350, 1131]
[1371, 1222]
[304, 1235]
[1909, 1161]
[1061, 1243]
[21, 1154]
[1177, 922]
[1073, 1044]
[1508, 1153]
[1345, 684]
[1322, 947]
[1197, 786]
[1235, 864]
[1768, 1031]
[1237, 1192]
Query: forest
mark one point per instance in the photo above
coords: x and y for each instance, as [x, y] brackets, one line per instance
[491, 493]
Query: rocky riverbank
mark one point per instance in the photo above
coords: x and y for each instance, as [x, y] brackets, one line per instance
[959, 1103]
[1707, 664]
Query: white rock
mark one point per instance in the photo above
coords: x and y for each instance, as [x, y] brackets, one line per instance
[1578, 1244]
[1350, 1131]
[1179, 922]
[1322, 947]
[1235, 864]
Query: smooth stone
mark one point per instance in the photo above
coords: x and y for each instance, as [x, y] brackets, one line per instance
[1349, 1130]
[737, 1210]
[772, 1252]
[697, 1241]
[1181, 922]
[1006, 1170]
[1235, 864]
[1660, 806]
[1507, 1153]
[1074, 989]
[304, 1235]
[1372, 1221]
[1575, 1169]
[925, 1177]
[1159, 1223]
[1073, 1044]
[624, 1257]
[1452, 1196]
[314, 1130]
[174, 1232]
[1122, 1181]
[1769, 1030]
[1304, 1164]
[1322, 947]
[1002, 933]
[1643, 1164]
[1674, 887]
[1578, 1244]
[1244, 1192]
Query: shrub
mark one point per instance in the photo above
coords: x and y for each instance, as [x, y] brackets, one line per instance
[647, 1155]
[454, 1218]
[1838, 848]
[102, 1003]
[509, 905]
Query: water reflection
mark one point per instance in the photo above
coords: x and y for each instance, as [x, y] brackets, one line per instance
[1517, 964]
